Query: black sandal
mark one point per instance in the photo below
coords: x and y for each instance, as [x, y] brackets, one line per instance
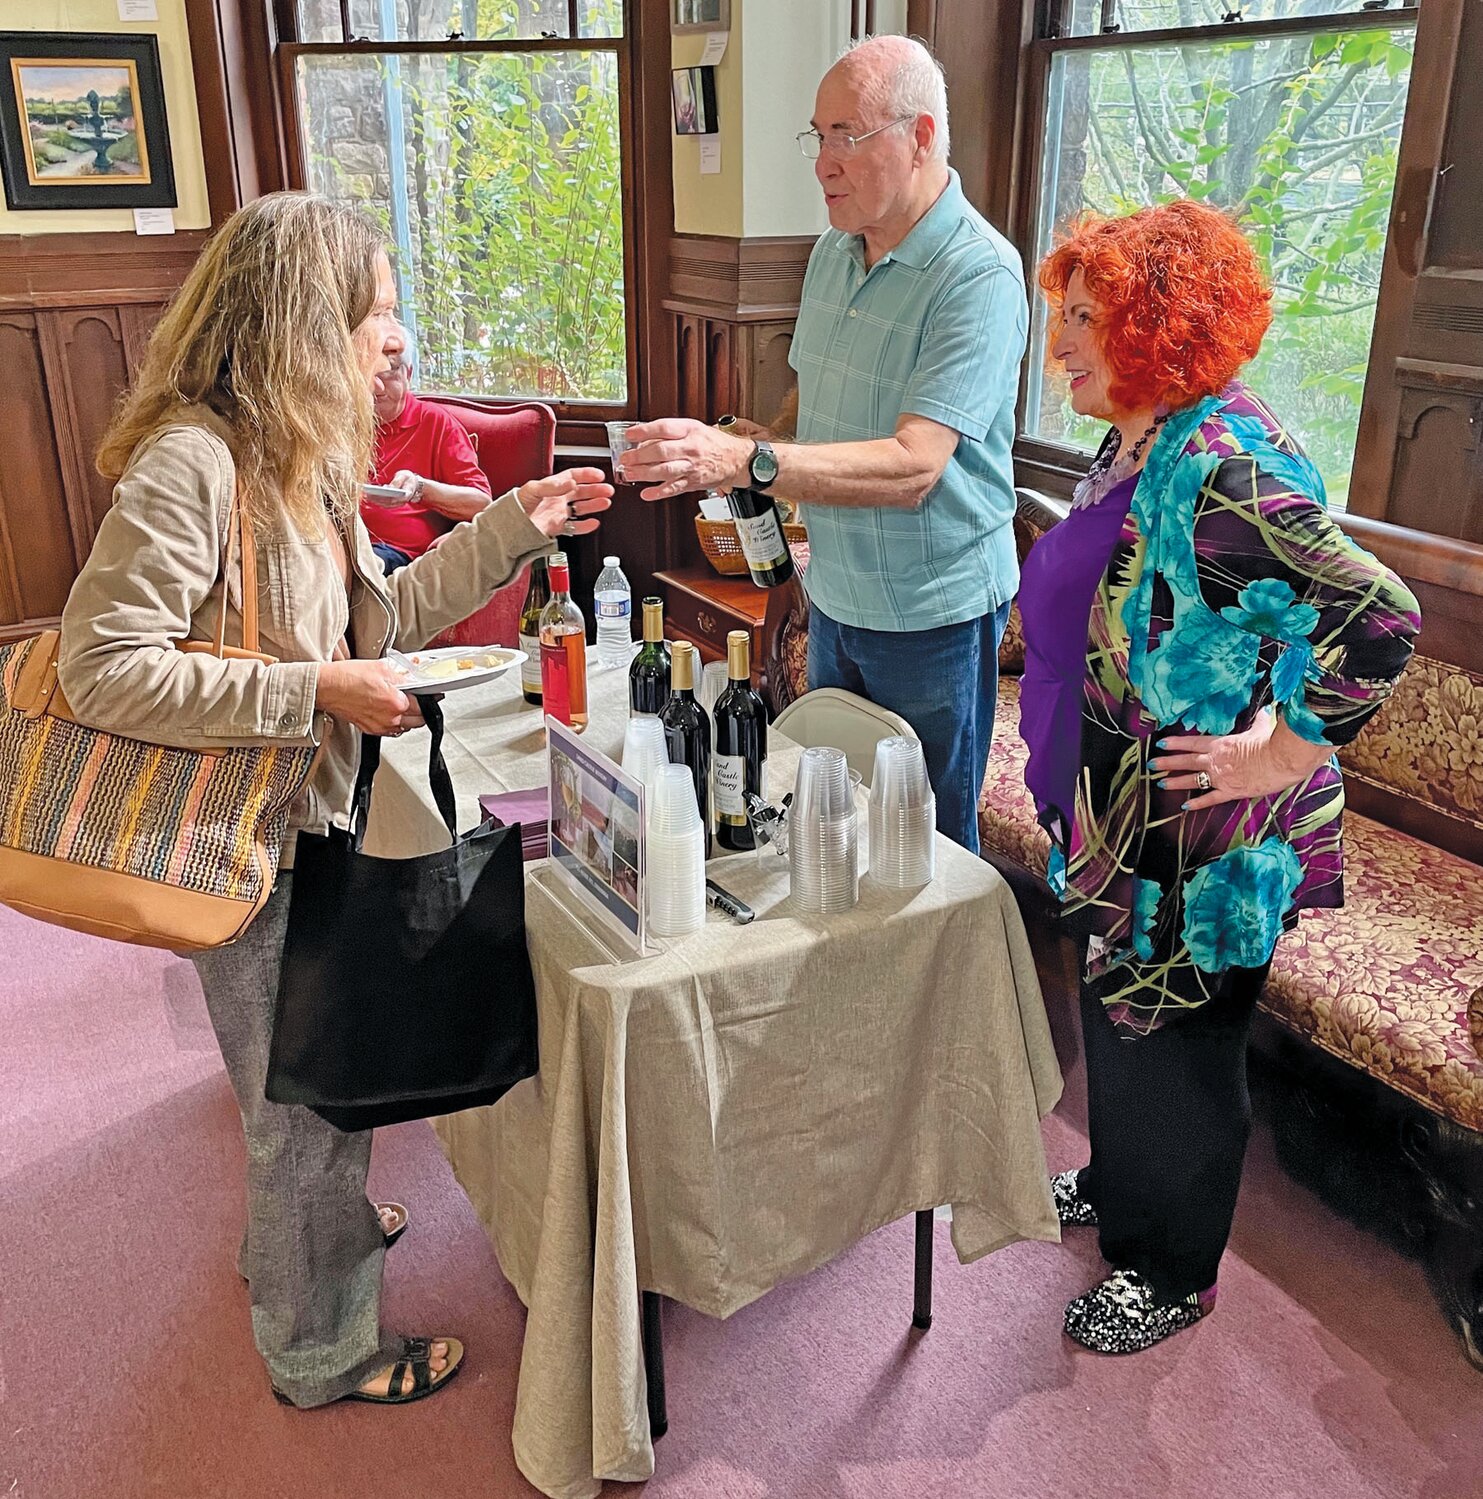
[416, 1355]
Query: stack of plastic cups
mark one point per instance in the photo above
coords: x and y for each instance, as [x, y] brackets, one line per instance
[675, 866]
[903, 817]
[823, 834]
[644, 750]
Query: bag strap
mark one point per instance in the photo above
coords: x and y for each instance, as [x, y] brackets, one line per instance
[437, 775]
[239, 529]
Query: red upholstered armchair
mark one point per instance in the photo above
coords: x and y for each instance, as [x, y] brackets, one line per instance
[513, 443]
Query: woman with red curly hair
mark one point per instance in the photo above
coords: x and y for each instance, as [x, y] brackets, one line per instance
[1199, 638]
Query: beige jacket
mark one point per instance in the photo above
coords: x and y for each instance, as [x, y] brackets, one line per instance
[152, 579]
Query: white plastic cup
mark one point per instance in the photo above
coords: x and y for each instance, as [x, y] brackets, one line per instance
[644, 750]
[674, 865]
[675, 808]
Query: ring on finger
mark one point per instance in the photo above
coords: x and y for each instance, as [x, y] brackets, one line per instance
[1202, 780]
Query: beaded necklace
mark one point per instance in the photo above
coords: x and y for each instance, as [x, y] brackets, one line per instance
[1108, 470]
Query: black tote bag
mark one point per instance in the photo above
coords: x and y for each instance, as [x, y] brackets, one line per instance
[406, 988]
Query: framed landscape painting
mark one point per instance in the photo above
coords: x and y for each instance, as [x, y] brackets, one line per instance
[82, 121]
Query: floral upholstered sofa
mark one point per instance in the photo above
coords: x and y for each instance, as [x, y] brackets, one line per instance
[1373, 1013]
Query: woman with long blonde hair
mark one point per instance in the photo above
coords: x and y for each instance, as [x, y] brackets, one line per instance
[259, 382]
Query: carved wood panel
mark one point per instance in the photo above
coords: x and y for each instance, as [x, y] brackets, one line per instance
[1438, 484]
[1416, 457]
[37, 558]
[86, 368]
[138, 322]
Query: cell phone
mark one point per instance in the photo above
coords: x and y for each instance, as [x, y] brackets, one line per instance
[384, 494]
[724, 900]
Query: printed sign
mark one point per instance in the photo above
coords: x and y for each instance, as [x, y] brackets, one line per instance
[597, 834]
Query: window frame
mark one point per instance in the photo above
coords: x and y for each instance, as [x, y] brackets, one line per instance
[1054, 466]
[579, 422]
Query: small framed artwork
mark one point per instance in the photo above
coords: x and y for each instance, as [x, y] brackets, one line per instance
[694, 93]
[82, 121]
[699, 15]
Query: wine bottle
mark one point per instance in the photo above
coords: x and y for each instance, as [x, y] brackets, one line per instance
[648, 677]
[687, 729]
[563, 650]
[741, 746]
[760, 528]
[536, 598]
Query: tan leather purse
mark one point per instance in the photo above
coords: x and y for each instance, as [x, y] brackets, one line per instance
[140, 842]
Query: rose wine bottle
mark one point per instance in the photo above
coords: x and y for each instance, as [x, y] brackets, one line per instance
[563, 650]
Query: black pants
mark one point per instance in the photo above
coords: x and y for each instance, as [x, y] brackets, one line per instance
[1169, 1114]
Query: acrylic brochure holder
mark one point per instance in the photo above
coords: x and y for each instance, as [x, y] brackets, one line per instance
[595, 869]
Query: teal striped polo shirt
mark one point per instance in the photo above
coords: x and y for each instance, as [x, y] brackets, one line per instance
[936, 327]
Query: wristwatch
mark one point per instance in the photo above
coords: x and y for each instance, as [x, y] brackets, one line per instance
[763, 467]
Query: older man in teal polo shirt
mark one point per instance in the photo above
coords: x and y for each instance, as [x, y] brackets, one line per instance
[910, 334]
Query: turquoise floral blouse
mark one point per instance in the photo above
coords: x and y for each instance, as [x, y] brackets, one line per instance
[1229, 590]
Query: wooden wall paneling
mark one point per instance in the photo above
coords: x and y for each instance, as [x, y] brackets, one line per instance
[94, 270]
[689, 362]
[720, 373]
[1415, 455]
[137, 320]
[731, 304]
[983, 47]
[1437, 479]
[83, 354]
[37, 556]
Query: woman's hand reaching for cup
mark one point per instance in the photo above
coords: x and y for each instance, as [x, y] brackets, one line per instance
[1265, 759]
[366, 694]
[567, 503]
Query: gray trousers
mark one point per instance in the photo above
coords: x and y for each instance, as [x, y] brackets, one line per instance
[314, 1246]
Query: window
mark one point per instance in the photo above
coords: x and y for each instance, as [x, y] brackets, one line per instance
[1288, 114]
[486, 136]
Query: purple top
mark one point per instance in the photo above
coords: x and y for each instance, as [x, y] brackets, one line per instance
[1057, 585]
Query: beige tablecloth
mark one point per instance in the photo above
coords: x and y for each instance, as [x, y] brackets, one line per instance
[735, 1111]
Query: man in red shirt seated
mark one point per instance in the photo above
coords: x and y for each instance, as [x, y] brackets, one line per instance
[424, 452]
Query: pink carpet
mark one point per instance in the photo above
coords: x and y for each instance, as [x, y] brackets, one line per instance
[126, 1367]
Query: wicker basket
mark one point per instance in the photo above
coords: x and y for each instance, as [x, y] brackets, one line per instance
[722, 545]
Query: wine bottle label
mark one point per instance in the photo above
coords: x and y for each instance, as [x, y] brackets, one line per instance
[530, 668]
[730, 775]
[761, 540]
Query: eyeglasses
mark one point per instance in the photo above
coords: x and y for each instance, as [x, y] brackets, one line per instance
[837, 143]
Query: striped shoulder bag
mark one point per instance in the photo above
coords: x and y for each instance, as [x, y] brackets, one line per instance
[139, 842]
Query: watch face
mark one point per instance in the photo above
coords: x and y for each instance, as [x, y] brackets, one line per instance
[764, 465]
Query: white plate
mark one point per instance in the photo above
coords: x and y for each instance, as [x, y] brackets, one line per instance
[385, 494]
[427, 671]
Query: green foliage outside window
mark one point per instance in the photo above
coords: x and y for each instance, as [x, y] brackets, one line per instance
[513, 192]
[1298, 138]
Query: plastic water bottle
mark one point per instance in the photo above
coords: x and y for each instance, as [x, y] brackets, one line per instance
[614, 610]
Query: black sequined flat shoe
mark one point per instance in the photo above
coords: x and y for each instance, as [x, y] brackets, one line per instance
[1122, 1315]
[1072, 1208]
